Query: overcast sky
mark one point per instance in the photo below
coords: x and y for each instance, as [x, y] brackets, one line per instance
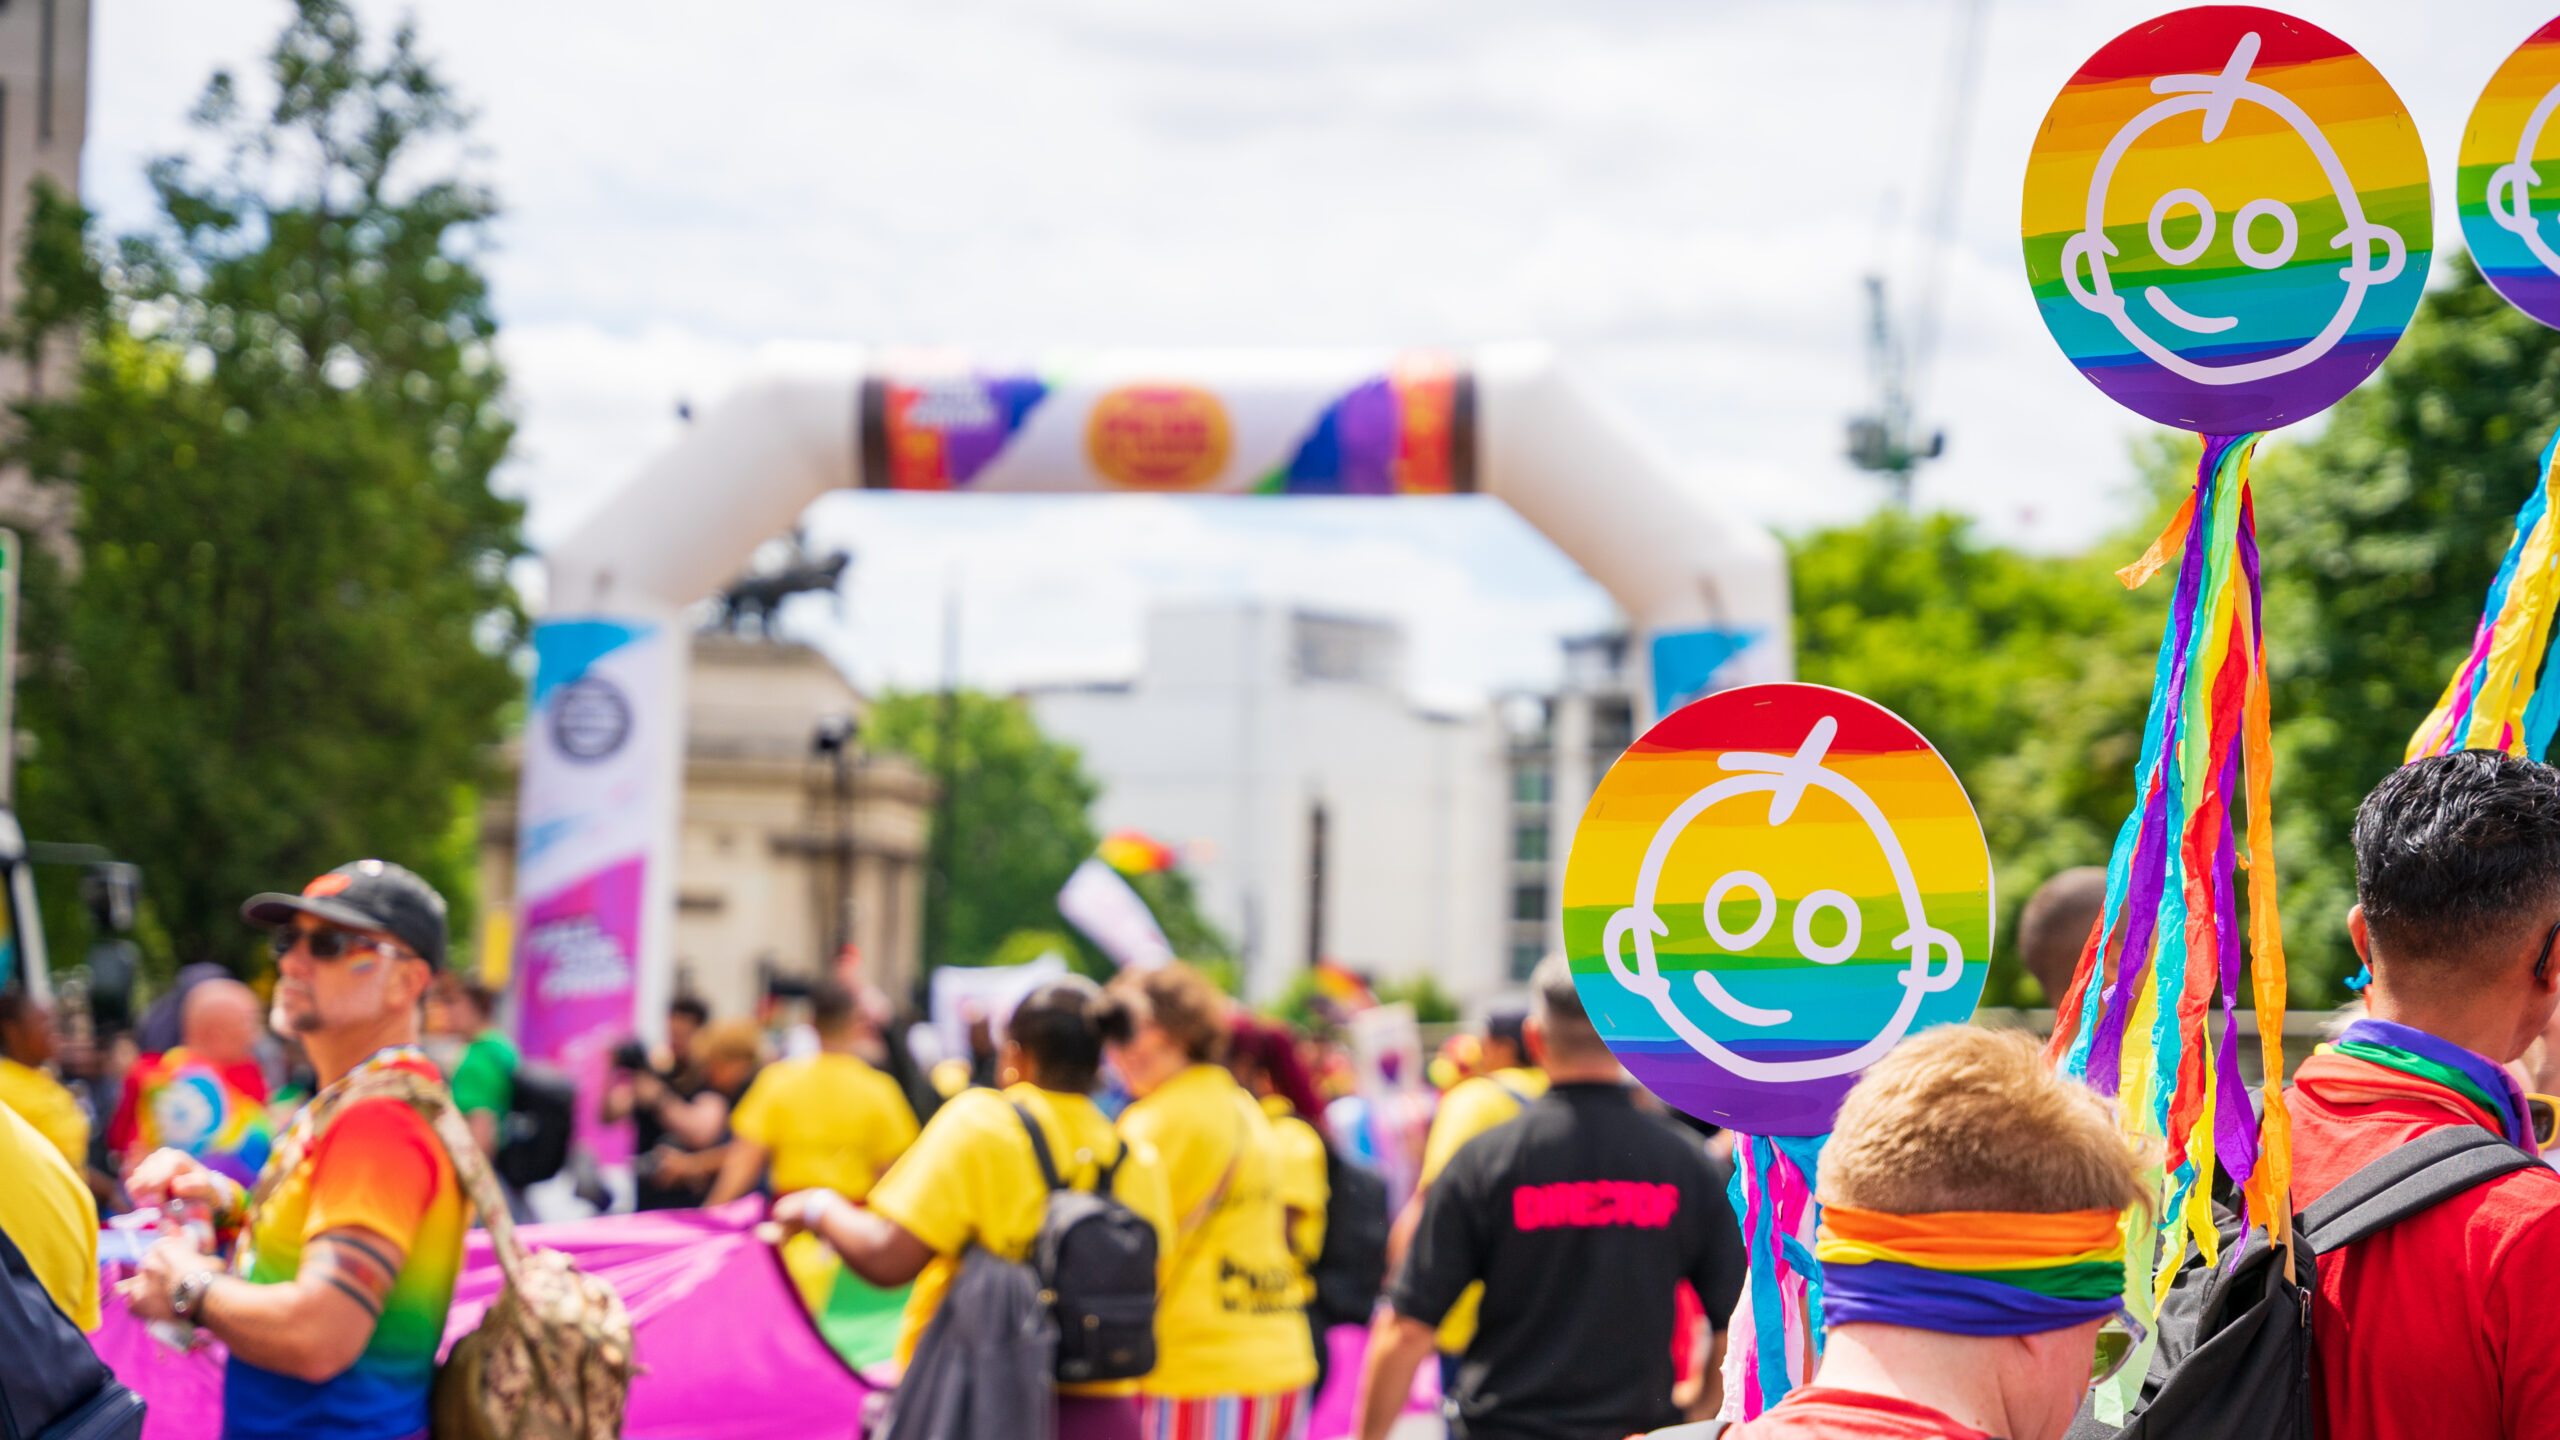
[1682, 195]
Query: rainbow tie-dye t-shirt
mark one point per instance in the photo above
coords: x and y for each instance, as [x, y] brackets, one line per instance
[379, 1166]
[185, 1102]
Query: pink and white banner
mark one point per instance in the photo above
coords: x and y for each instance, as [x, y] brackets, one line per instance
[598, 796]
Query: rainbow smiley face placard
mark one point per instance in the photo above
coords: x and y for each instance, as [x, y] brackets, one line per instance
[1772, 887]
[2508, 184]
[2226, 219]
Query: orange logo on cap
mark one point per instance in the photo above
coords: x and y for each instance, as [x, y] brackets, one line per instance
[1158, 437]
[329, 884]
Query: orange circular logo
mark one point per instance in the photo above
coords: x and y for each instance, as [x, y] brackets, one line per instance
[1158, 437]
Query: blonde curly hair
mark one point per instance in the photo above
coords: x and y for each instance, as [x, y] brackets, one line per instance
[1961, 1118]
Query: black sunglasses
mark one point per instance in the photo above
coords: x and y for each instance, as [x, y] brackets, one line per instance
[325, 943]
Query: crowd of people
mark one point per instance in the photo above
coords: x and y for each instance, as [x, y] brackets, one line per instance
[1567, 1261]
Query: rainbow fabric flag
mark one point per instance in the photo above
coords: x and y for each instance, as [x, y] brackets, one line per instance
[2502, 696]
[1343, 986]
[2227, 189]
[1132, 852]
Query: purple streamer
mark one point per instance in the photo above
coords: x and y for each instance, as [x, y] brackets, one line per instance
[2142, 901]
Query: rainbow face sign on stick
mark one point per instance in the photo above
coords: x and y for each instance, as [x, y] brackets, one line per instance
[1772, 887]
[2226, 219]
[2508, 184]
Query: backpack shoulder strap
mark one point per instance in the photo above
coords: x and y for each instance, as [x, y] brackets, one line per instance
[1039, 1147]
[2413, 1178]
[435, 1106]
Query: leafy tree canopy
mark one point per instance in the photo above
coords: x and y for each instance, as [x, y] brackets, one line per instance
[2030, 674]
[1019, 822]
[279, 638]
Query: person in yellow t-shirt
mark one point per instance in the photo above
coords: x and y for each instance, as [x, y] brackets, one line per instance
[28, 1042]
[972, 1179]
[51, 1217]
[825, 1121]
[1472, 1106]
[1264, 1058]
[1233, 1356]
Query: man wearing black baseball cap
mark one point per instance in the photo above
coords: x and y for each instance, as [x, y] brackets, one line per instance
[348, 1261]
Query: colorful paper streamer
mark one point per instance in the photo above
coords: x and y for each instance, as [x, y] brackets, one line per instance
[2502, 696]
[2164, 961]
[1772, 1194]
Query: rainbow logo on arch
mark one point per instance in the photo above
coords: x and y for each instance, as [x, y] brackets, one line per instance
[1766, 893]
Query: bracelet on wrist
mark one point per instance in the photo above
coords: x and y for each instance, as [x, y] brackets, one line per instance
[816, 1205]
[186, 1297]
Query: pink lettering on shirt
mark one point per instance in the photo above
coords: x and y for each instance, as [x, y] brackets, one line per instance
[1594, 1204]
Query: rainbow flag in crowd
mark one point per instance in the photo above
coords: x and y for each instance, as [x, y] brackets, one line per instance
[1343, 986]
[1133, 852]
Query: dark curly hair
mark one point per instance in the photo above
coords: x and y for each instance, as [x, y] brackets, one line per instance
[2457, 852]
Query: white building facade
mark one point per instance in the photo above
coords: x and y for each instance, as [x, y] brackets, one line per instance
[1555, 749]
[1322, 814]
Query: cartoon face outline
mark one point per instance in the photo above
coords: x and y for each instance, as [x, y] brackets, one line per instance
[2514, 181]
[2214, 96]
[1784, 778]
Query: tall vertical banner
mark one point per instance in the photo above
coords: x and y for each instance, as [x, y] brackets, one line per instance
[1768, 891]
[598, 801]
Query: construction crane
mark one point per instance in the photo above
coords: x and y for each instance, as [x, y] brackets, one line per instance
[1886, 439]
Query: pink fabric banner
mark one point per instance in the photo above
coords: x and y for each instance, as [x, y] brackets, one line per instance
[725, 1350]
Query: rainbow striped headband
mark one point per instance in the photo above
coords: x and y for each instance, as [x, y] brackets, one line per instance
[1970, 1272]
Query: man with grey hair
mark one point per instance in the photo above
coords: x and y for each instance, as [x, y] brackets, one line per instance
[1580, 1218]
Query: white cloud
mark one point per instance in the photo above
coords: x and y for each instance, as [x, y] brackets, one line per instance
[1684, 197]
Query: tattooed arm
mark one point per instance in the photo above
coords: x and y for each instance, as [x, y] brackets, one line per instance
[311, 1327]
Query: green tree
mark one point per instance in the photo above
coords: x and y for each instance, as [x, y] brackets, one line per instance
[1018, 811]
[282, 639]
[2029, 674]
[2380, 535]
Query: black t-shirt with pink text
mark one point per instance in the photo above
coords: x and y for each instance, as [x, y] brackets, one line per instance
[1581, 1217]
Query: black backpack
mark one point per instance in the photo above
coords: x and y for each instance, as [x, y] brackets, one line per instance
[2234, 1358]
[1352, 1267]
[533, 1143]
[52, 1385]
[1096, 1259]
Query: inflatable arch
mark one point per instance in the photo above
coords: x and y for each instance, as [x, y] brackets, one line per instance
[1704, 589]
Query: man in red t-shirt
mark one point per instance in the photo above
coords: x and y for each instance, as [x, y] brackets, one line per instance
[2441, 1325]
[1973, 1265]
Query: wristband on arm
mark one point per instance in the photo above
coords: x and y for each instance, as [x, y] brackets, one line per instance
[816, 1205]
